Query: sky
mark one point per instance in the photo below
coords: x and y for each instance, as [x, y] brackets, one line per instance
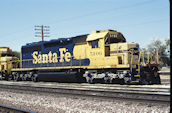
[140, 21]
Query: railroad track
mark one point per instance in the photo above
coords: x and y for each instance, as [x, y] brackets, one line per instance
[165, 77]
[8, 109]
[159, 93]
[146, 88]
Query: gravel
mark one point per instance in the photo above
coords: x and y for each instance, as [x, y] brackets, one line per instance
[59, 103]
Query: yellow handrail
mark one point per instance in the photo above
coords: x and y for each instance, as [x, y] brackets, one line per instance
[151, 58]
[148, 57]
[140, 53]
[143, 58]
[131, 62]
[157, 57]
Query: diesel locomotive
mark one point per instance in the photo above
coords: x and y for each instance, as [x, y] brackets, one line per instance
[7, 62]
[102, 56]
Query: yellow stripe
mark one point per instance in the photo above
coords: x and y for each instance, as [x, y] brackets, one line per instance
[67, 67]
[134, 81]
[136, 75]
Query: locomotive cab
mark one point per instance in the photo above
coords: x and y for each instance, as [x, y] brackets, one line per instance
[109, 49]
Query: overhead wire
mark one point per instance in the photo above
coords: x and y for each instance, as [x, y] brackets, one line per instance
[105, 11]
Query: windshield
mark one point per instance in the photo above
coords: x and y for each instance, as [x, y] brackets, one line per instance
[114, 38]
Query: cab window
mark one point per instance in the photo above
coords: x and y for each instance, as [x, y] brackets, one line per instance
[114, 38]
[95, 44]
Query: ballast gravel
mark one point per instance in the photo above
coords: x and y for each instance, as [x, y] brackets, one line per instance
[40, 102]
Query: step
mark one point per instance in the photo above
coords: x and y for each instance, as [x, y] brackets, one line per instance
[134, 81]
[136, 75]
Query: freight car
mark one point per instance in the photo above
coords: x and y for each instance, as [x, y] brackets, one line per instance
[102, 56]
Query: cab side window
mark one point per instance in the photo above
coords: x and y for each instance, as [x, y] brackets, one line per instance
[95, 44]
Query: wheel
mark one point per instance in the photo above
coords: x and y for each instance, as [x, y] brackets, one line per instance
[157, 79]
[106, 80]
[0, 76]
[126, 80]
[111, 81]
[149, 79]
[16, 77]
[89, 80]
[122, 82]
[24, 78]
[7, 77]
[34, 77]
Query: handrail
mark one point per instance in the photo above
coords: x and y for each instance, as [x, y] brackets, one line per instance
[131, 62]
[141, 59]
[157, 57]
[139, 62]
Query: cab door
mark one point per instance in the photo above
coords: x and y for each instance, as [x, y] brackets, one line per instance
[107, 47]
[107, 50]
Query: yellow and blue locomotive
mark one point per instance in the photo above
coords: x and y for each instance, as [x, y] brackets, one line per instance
[7, 62]
[103, 56]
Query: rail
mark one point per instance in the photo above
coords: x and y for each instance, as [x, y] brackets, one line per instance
[8, 109]
[164, 72]
[116, 92]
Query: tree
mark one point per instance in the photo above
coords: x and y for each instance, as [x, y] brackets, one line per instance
[17, 54]
[168, 47]
[163, 50]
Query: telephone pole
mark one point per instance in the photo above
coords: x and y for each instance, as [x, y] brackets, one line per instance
[42, 31]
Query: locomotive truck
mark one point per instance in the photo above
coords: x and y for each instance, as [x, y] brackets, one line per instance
[102, 56]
